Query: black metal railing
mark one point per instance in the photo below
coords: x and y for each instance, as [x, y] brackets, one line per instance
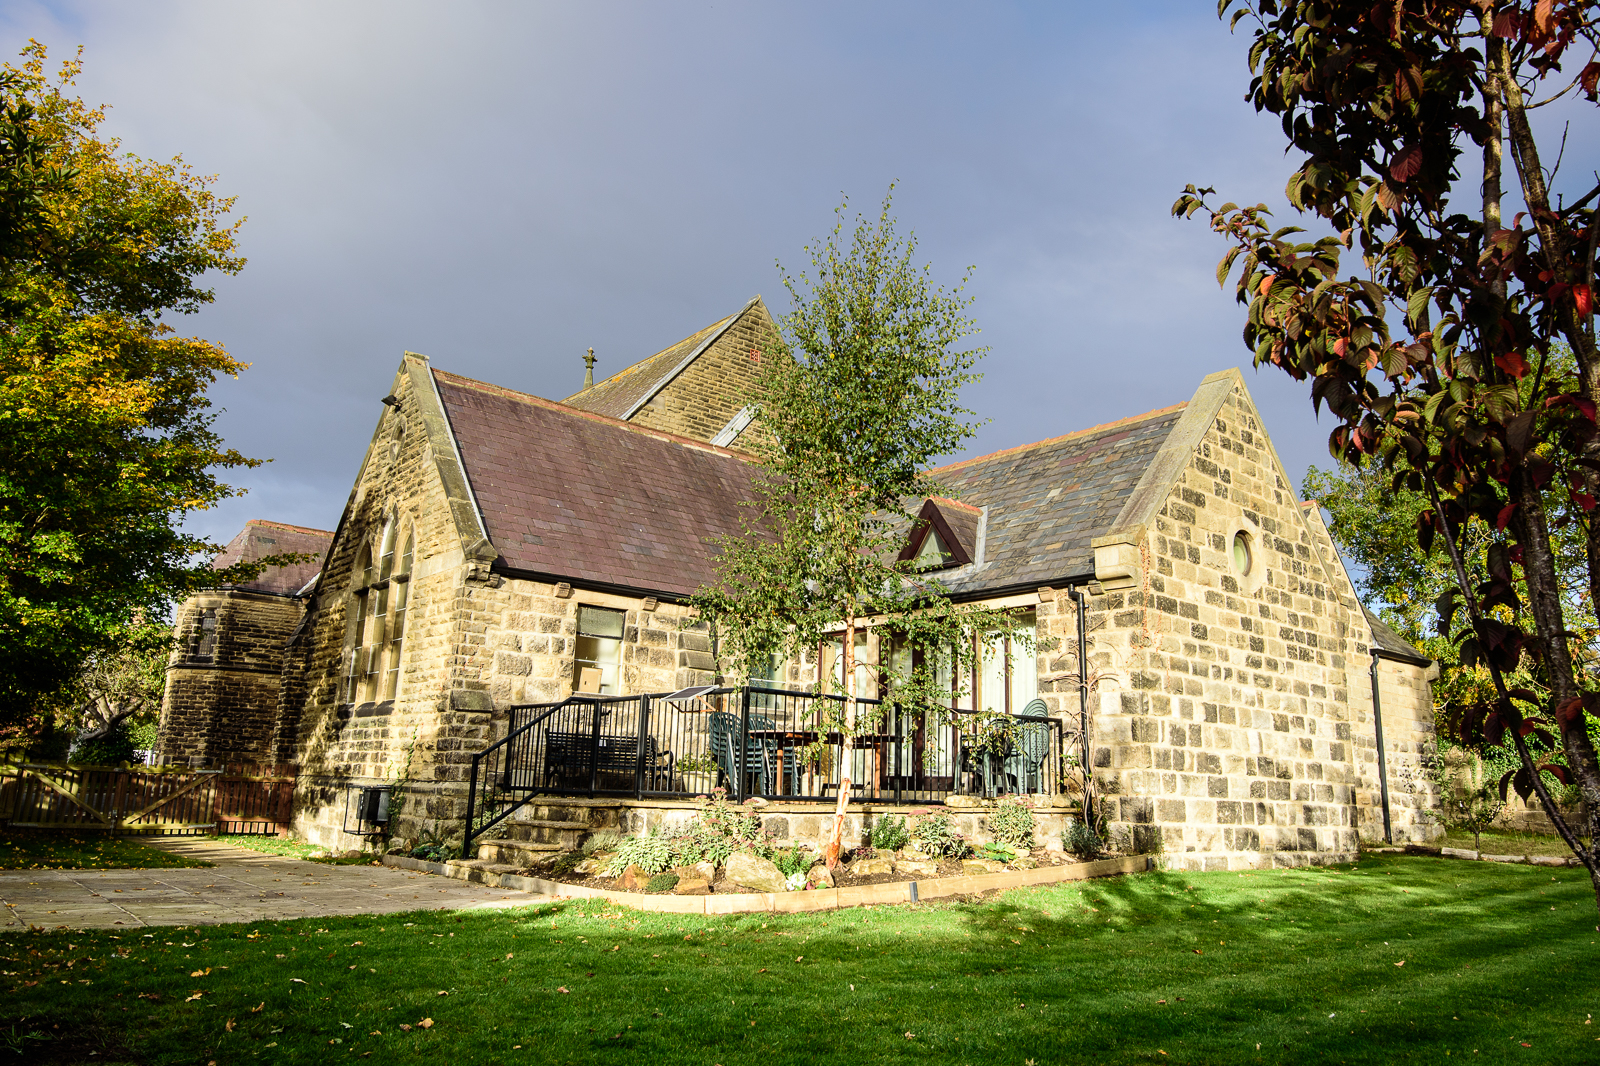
[758, 741]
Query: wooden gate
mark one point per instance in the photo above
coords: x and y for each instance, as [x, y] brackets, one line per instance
[228, 799]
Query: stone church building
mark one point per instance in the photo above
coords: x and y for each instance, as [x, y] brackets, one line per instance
[501, 549]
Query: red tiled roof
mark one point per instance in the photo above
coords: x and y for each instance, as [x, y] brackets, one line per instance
[585, 497]
[260, 538]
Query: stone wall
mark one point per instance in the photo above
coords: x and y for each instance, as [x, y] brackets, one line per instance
[702, 400]
[476, 643]
[223, 677]
[1410, 745]
[1230, 705]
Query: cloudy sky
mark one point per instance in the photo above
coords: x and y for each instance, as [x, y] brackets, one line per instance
[502, 185]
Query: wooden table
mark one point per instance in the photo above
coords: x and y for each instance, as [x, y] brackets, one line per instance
[785, 740]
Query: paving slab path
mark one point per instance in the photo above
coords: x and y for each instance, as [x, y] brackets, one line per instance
[243, 886]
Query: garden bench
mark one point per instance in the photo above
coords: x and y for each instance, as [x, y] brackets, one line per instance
[567, 757]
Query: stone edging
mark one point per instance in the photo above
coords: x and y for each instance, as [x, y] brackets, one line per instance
[1531, 860]
[1473, 856]
[825, 899]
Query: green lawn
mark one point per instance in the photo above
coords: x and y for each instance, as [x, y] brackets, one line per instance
[45, 849]
[1396, 959]
[291, 849]
[1498, 842]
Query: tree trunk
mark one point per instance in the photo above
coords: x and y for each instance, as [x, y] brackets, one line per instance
[1538, 564]
[1544, 603]
[847, 663]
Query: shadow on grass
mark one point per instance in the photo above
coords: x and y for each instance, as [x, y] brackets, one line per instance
[1268, 966]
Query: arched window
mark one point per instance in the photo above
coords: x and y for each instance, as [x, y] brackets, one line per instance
[380, 589]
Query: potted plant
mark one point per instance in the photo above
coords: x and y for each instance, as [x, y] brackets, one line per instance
[698, 773]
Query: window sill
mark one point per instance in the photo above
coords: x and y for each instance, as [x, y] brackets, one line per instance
[373, 710]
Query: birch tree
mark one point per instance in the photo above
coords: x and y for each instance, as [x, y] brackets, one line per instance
[857, 397]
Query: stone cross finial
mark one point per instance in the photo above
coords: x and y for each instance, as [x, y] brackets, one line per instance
[588, 370]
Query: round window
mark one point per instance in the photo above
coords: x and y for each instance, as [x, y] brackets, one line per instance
[1241, 552]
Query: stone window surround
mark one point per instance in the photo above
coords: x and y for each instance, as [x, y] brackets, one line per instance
[1251, 582]
[403, 544]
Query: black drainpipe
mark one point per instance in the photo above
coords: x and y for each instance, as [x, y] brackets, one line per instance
[1076, 592]
[1383, 770]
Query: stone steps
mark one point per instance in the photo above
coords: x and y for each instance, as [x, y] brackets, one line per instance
[565, 834]
[521, 853]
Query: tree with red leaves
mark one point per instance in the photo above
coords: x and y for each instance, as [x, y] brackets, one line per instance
[1384, 101]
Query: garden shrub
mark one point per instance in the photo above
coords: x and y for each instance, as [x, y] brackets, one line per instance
[888, 834]
[112, 749]
[792, 861]
[1012, 823]
[650, 852]
[567, 862]
[936, 834]
[1081, 841]
[662, 883]
[604, 840]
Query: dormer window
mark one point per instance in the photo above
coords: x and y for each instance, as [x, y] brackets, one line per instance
[933, 555]
[945, 534]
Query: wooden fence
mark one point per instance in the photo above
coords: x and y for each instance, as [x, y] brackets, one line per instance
[149, 800]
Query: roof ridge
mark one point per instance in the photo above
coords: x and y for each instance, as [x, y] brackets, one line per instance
[946, 500]
[638, 363]
[287, 526]
[578, 412]
[1064, 437]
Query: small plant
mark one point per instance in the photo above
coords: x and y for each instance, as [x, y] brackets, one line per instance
[888, 834]
[936, 834]
[794, 862]
[794, 882]
[432, 847]
[1468, 798]
[697, 764]
[1012, 823]
[604, 840]
[998, 853]
[567, 862]
[650, 852]
[662, 883]
[1078, 839]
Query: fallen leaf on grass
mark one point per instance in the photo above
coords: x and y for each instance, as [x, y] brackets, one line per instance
[257, 1008]
[1197, 951]
[563, 991]
[797, 958]
[296, 980]
[194, 997]
[201, 973]
[229, 1025]
[1402, 962]
[426, 1023]
[442, 992]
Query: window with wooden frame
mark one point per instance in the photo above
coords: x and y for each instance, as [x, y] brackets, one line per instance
[597, 658]
[380, 592]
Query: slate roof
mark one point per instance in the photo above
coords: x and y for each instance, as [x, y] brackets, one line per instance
[618, 394]
[1045, 502]
[260, 538]
[1392, 644]
[573, 495]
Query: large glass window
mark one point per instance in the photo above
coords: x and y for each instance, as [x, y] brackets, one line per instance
[381, 587]
[1008, 676]
[597, 662]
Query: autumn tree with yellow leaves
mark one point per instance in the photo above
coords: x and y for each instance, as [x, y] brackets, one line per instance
[106, 437]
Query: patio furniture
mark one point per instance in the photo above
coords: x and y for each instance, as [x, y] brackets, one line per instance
[1024, 763]
[567, 758]
[760, 754]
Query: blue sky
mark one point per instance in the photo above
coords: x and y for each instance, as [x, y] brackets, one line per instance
[502, 185]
